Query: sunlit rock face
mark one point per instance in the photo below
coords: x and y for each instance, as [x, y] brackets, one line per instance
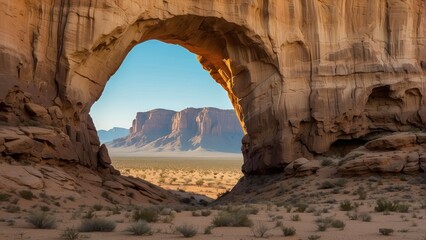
[300, 74]
[192, 129]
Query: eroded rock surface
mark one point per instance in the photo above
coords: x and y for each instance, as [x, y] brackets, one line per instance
[300, 74]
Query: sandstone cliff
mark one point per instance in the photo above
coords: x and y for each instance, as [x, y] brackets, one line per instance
[302, 75]
[191, 129]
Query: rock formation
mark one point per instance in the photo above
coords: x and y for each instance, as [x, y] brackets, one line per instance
[301, 75]
[191, 129]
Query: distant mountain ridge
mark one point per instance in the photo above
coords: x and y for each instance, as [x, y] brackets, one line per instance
[191, 129]
[113, 133]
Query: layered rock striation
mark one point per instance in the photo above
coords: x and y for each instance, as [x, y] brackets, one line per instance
[208, 129]
[301, 75]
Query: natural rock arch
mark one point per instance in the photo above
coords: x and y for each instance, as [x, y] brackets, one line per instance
[299, 73]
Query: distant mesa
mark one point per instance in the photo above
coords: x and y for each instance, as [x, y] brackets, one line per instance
[112, 134]
[192, 129]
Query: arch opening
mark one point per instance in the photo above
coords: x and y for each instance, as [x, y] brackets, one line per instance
[233, 56]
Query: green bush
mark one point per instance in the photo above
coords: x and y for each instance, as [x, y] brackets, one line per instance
[237, 218]
[147, 214]
[205, 213]
[97, 225]
[301, 207]
[42, 220]
[386, 231]
[326, 185]
[187, 230]
[388, 206]
[140, 228]
[288, 231]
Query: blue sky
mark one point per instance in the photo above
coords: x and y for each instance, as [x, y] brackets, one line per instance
[156, 75]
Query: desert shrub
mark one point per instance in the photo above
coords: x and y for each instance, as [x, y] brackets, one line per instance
[352, 215]
[42, 220]
[403, 208]
[295, 218]
[314, 237]
[338, 224]
[362, 194]
[386, 206]
[97, 225]
[326, 185]
[260, 229]
[346, 205]
[26, 194]
[147, 214]
[288, 231]
[4, 197]
[208, 230]
[341, 182]
[365, 217]
[327, 162]
[199, 182]
[301, 207]
[13, 209]
[97, 207]
[205, 213]
[196, 213]
[386, 231]
[70, 234]
[187, 230]
[140, 228]
[324, 223]
[237, 218]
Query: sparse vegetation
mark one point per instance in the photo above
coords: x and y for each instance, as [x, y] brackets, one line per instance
[288, 231]
[386, 231]
[26, 194]
[346, 205]
[140, 228]
[234, 218]
[324, 223]
[260, 229]
[4, 197]
[314, 237]
[147, 214]
[97, 225]
[42, 220]
[187, 230]
[295, 218]
[71, 234]
[365, 217]
[388, 206]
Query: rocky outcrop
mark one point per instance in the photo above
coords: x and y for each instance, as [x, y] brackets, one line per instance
[191, 129]
[300, 74]
[401, 152]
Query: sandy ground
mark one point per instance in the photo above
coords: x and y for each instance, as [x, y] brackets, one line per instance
[295, 202]
[206, 176]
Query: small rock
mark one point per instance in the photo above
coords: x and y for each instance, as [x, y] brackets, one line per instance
[310, 166]
[299, 162]
[36, 110]
[23, 144]
[289, 170]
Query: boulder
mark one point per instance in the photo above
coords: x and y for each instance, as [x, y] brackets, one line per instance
[395, 141]
[22, 144]
[103, 156]
[23, 176]
[299, 162]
